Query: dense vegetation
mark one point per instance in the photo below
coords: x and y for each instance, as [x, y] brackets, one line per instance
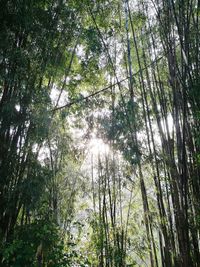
[99, 133]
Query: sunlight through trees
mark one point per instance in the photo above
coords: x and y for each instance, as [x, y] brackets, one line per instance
[99, 133]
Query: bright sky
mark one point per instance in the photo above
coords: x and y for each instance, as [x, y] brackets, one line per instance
[97, 146]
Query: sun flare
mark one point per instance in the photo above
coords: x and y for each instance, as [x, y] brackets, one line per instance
[97, 146]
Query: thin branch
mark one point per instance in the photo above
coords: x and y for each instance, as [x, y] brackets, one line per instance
[108, 87]
[89, 96]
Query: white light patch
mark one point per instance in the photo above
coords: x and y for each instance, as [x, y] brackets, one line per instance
[17, 107]
[168, 122]
[96, 146]
[57, 96]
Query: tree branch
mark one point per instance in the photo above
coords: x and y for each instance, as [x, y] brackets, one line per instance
[89, 96]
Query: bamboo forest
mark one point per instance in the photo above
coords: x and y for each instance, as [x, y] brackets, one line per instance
[100, 133]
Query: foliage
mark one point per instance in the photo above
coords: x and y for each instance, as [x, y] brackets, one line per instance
[99, 133]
